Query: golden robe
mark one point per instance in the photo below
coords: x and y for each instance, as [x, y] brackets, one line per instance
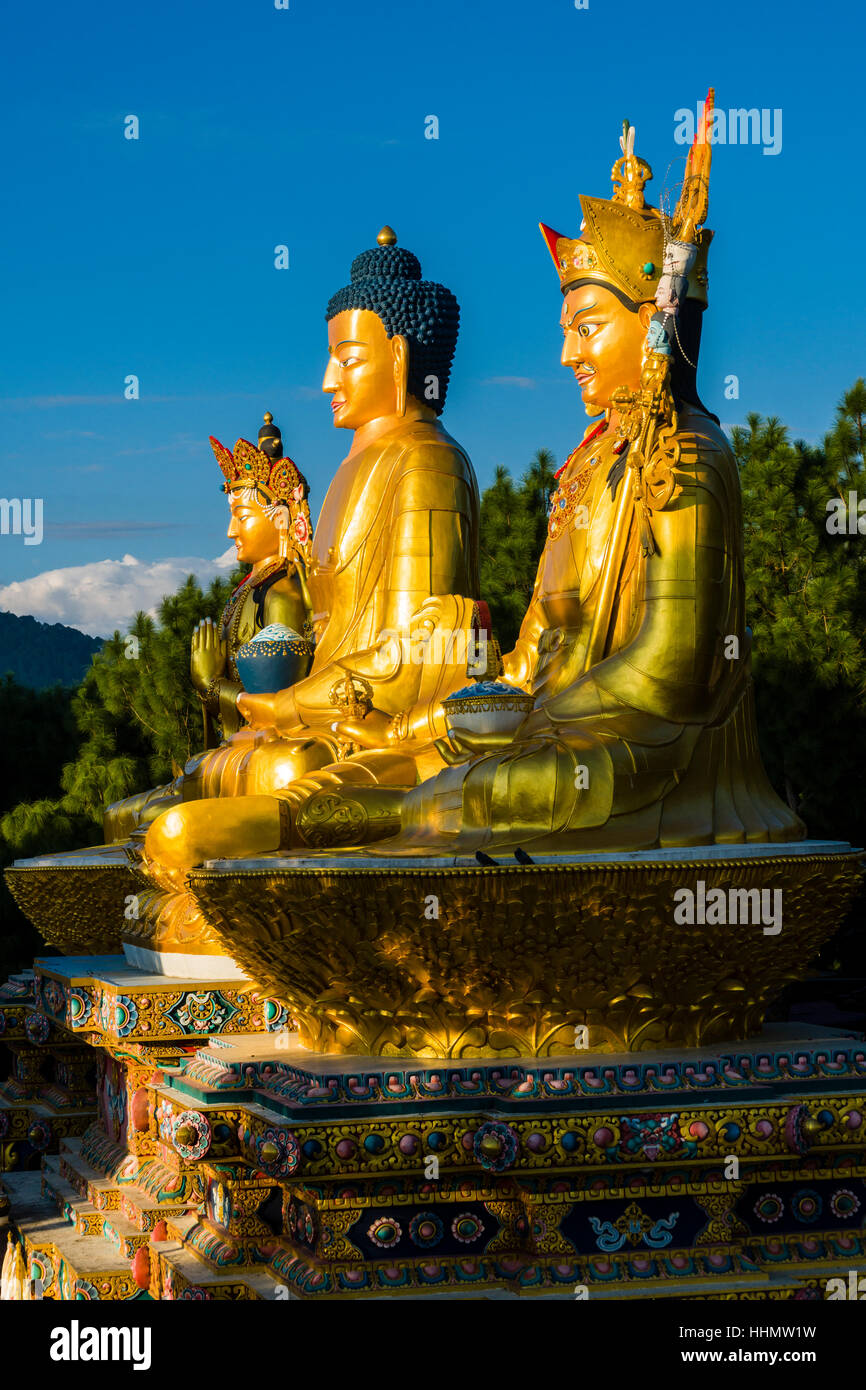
[655, 745]
[398, 528]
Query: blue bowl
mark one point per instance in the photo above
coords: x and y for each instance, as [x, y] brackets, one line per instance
[273, 660]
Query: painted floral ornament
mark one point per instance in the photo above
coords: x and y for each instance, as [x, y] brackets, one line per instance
[495, 1146]
[277, 1152]
[37, 1028]
[191, 1134]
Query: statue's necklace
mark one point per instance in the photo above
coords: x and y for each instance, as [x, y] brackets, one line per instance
[231, 618]
[568, 496]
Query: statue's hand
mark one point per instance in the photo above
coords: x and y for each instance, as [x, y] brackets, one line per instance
[369, 732]
[259, 711]
[301, 571]
[462, 744]
[278, 711]
[208, 654]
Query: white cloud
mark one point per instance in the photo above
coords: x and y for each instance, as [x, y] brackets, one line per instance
[104, 595]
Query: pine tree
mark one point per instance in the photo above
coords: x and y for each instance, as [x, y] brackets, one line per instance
[513, 529]
[805, 595]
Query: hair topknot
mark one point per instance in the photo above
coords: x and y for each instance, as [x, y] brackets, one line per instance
[386, 260]
[387, 281]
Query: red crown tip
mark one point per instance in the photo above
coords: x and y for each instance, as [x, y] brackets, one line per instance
[551, 237]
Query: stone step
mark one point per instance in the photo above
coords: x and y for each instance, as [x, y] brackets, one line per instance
[124, 1172]
[130, 1200]
[90, 1184]
[113, 1225]
[94, 1269]
[68, 1202]
[145, 1211]
[183, 1269]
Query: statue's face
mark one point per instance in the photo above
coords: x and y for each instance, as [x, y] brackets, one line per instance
[255, 534]
[364, 367]
[603, 343]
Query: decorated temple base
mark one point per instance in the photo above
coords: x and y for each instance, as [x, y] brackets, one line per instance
[206, 1154]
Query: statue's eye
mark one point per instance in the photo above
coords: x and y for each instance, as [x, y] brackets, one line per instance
[349, 361]
[584, 329]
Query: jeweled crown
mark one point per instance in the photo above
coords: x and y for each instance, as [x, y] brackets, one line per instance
[622, 241]
[279, 480]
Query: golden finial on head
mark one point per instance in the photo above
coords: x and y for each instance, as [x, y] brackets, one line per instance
[387, 236]
[630, 172]
[269, 419]
[691, 209]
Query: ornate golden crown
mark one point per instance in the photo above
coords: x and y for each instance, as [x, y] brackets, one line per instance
[622, 242]
[279, 480]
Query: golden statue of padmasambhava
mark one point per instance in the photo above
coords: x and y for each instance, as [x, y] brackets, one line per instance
[634, 649]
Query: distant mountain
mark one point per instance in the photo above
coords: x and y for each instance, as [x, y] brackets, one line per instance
[43, 654]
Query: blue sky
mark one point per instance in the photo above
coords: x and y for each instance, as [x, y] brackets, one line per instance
[305, 127]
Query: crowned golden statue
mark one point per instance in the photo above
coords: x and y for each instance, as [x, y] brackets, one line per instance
[635, 647]
[270, 526]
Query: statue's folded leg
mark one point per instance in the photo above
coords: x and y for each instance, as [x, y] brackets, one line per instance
[122, 818]
[254, 762]
[214, 828]
[348, 803]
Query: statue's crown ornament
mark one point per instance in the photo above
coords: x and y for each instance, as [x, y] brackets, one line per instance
[623, 239]
[279, 480]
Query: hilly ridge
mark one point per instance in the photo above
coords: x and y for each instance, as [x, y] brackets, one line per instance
[40, 655]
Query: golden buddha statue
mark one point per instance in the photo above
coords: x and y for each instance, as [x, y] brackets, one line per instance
[393, 580]
[634, 648]
[270, 526]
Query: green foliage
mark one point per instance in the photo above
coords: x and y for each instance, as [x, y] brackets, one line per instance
[806, 604]
[137, 717]
[38, 731]
[512, 534]
[131, 724]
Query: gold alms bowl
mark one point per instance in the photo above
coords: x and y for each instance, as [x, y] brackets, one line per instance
[487, 707]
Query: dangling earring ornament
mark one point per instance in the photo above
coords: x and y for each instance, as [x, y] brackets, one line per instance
[283, 548]
[401, 372]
